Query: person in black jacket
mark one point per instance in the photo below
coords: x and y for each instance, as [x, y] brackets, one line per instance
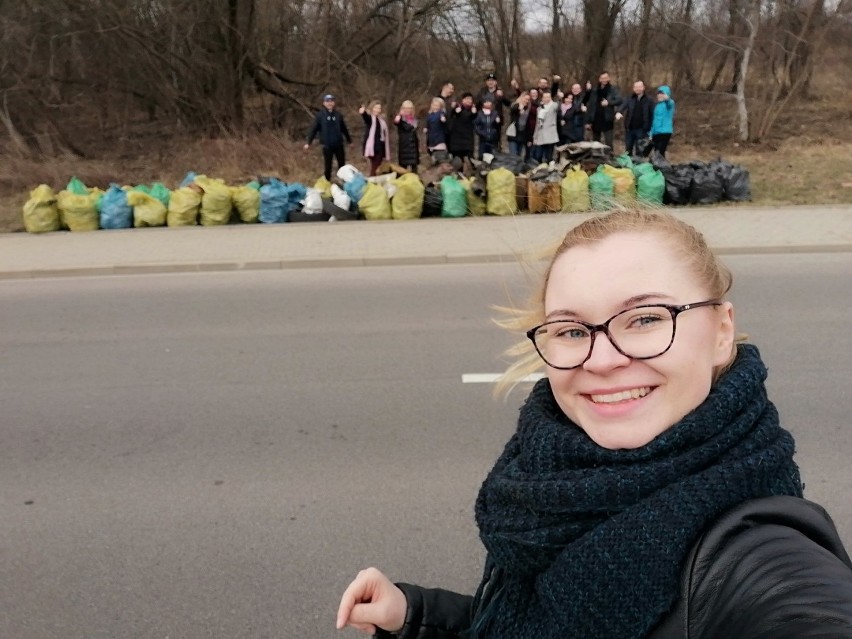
[408, 144]
[461, 128]
[649, 491]
[492, 92]
[638, 114]
[604, 100]
[331, 127]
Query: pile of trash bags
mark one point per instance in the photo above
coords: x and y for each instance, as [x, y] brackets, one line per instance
[586, 177]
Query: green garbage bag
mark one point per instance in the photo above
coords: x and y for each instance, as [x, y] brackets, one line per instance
[161, 192]
[601, 190]
[575, 191]
[500, 188]
[454, 197]
[374, 203]
[651, 187]
[184, 205]
[407, 202]
[216, 203]
[642, 168]
[624, 161]
[40, 212]
[247, 201]
[76, 187]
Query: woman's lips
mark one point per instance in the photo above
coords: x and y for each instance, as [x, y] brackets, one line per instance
[620, 396]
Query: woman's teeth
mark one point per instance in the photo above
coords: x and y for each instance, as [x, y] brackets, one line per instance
[634, 393]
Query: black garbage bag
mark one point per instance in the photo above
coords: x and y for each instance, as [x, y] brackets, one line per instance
[643, 147]
[708, 185]
[738, 184]
[433, 201]
[515, 163]
[477, 186]
[678, 183]
[659, 161]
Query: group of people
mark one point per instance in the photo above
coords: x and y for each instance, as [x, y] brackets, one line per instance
[534, 122]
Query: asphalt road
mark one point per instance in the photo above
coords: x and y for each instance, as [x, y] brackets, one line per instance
[216, 455]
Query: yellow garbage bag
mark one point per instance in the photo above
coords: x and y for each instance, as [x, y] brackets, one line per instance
[247, 202]
[575, 191]
[79, 212]
[500, 192]
[624, 184]
[324, 187]
[147, 210]
[407, 202]
[216, 202]
[374, 203]
[183, 207]
[40, 212]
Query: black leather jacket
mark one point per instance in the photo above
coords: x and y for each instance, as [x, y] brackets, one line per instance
[771, 567]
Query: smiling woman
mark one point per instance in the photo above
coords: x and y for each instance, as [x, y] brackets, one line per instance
[649, 490]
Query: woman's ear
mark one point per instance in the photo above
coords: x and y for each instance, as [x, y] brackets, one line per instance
[725, 333]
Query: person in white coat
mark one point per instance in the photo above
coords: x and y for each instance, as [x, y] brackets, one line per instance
[546, 129]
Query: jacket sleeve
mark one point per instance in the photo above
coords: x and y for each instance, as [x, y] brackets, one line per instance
[344, 130]
[433, 613]
[775, 575]
[315, 127]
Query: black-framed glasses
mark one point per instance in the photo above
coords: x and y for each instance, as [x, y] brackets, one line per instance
[642, 332]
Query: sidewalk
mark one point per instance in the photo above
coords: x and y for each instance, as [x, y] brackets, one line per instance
[426, 241]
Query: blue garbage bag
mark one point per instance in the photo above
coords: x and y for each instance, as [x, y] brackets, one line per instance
[274, 202]
[355, 187]
[188, 179]
[296, 193]
[114, 211]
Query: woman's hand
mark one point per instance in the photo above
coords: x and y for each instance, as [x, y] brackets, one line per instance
[371, 601]
[397, 119]
[362, 109]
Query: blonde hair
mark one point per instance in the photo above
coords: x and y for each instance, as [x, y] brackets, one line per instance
[407, 104]
[684, 238]
[520, 95]
[439, 102]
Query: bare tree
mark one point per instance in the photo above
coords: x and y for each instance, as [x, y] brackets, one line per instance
[600, 18]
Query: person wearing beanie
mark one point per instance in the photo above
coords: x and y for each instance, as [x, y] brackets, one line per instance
[331, 128]
[492, 92]
[650, 490]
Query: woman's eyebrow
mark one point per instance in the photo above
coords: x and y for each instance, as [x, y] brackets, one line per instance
[628, 303]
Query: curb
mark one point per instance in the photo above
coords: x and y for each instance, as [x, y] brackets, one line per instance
[346, 262]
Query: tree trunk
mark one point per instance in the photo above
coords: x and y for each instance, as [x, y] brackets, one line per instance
[752, 24]
[600, 17]
[644, 40]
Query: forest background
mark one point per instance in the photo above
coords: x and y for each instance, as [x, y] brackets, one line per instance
[135, 91]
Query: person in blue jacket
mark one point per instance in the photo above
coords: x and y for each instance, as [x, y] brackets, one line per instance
[662, 126]
[331, 127]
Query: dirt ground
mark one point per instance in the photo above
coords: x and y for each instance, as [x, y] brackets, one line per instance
[807, 158]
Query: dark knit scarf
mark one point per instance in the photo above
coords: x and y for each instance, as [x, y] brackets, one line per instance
[588, 542]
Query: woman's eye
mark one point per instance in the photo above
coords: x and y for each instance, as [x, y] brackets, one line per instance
[645, 320]
[571, 332]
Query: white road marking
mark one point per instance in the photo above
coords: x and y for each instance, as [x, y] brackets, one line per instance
[490, 378]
